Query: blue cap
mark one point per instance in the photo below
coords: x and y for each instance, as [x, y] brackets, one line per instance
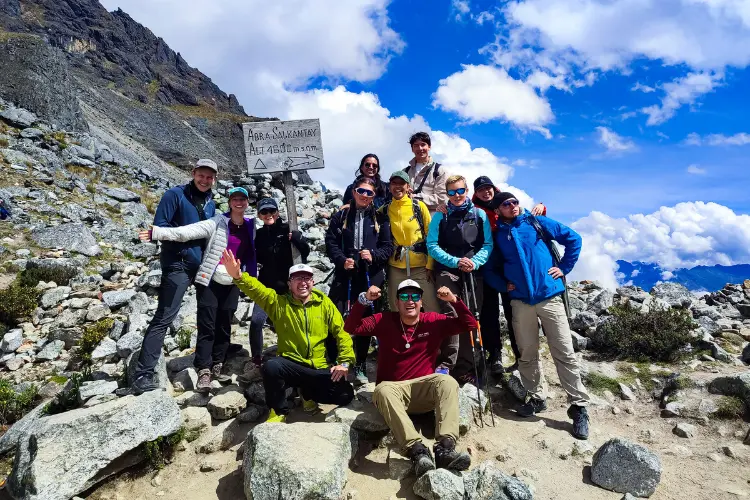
[235, 190]
[266, 203]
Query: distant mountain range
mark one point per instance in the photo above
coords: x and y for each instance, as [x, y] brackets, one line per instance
[700, 278]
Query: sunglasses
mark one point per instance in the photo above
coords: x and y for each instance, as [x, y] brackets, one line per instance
[405, 297]
[454, 192]
[365, 192]
[509, 203]
[268, 211]
[368, 164]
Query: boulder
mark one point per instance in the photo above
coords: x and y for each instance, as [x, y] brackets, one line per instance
[95, 388]
[65, 454]
[440, 484]
[228, 403]
[195, 418]
[732, 385]
[602, 302]
[218, 437]
[674, 294]
[121, 194]
[277, 462]
[745, 357]
[190, 398]
[186, 380]
[73, 236]
[469, 406]
[12, 340]
[180, 363]
[399, 466]
[487, 482]
[51, 351]
[54, 296]
[106, 349]
[18, 117]
[128, 343]
[9, 440]
[117, 298]
[515, 386]
[97, 312]
[360, 416]
[626, 467]
[684, 430]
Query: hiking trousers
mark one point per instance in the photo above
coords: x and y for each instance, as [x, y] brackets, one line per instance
[257, 321]
[489, 318]
[419, 274]
[316, 385]
[216, 306]
[395, 400]
[554, 320]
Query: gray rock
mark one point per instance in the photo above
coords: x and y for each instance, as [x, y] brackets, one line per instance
[97, 312]
[440, 484]
[580, 343]
[73, 236]
[189, 398]
[360, 416]
[95, 388]
[121, 194]
[732, 385]
[228, 403]
[277, 460]
[195, 418]
[139, 303]
[720, 354]
[12, 340]
[54, 296]
[684, 430]
[469, 406]
[745, 357]
[14, 364]
[251, 414]
[87, 443]
[186, 380]
[674, 294]
[31, 133]
[51, 351]
[70, 318]
[399, 466]
[117, 330]
[487, 482]
[137, 323]
[180, 363]
[106, 349]
[626, 467]
[602, 302]
[672, 409]
[585, 321]
[626, 392]
[709, 325]
[118, 298]
[218, 437]
[160, 371]
[100, 399]
[128, 344]
[18, 117]
[9, 440]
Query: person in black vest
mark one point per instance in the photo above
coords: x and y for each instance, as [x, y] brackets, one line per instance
[460, 242]
[358, 242]
[273, 249]
[369, 166]
[180, 206]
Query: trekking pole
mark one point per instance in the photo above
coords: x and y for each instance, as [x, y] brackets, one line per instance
[481, 348]
[349, 296]
[474, 358]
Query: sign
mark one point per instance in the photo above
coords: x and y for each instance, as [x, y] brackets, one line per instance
[282, 146]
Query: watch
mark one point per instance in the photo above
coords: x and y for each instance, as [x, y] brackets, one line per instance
[345, 365]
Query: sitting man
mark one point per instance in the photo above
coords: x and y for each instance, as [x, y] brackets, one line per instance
[406, 379]
[304, 318]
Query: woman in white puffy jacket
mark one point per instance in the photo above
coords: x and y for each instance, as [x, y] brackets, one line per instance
[217, 294]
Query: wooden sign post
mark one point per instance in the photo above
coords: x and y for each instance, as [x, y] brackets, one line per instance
[284, 146]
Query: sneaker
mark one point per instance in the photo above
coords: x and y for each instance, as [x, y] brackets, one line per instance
[217, 375]
[532, 406]
[360, 375]
[309, 406]
[274, 418]
[446, 456]
[580, 416]
[144, 383]
[204, 381]
[421, 459]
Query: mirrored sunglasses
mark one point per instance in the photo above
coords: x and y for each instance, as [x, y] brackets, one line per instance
[405, 297]
[454, 192]
[365, 192]
[508, 203]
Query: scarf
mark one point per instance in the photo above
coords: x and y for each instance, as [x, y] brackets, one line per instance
[466, 205]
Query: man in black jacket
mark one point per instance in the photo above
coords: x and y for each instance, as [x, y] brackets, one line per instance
[274, 254]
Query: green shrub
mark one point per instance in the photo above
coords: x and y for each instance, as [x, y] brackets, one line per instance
[730, 408]
[68, 399]
[660, 335]
[91, 338]
[17, 301]
[15, 405]
[598, 383]
[60, 275]
[183, 337]
[161, 450]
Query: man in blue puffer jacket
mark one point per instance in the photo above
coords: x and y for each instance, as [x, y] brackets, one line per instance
[180, 206]
[522, 265]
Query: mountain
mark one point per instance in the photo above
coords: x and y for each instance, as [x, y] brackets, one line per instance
[699, 278]
[82, 68]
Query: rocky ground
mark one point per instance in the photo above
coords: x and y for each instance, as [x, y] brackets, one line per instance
[78, 290]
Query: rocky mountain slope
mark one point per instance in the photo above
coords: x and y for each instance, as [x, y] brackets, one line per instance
[82, 68]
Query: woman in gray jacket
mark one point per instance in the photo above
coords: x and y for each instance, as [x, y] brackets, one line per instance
[217, 294]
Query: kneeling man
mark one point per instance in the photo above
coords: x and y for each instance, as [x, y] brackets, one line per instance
[406, 380]
[304, 318]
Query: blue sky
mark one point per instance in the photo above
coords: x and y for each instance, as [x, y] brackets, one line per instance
[626, 117]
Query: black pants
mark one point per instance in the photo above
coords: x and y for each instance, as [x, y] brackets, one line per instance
[175, 281]
[508, 312]
[280, 373]
[216, 306]
[490, 321]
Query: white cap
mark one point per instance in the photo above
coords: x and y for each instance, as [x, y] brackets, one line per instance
[408, 284]
[300, 268]
[205, 162]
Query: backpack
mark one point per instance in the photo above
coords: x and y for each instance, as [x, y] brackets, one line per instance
[421, 184]
[556, 258]
[475, 215]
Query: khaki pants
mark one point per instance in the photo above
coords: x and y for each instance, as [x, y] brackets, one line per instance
[419, 274]
[555, 324]
[395, 400]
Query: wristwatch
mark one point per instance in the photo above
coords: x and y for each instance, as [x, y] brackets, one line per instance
[345, 365]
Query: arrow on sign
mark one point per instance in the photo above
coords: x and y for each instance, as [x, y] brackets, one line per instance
[259, 165]
[298, 161]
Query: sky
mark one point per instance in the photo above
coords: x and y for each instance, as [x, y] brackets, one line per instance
[627, 118]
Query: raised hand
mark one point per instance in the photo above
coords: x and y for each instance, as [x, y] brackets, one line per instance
[444, 293]
[231, 264]
[373, 293]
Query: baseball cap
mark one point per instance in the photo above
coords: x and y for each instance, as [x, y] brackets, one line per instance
[408, 284]
[481, 181]
[300, 268]
[205, 162]
[401, 175]
[267, 203]
[239, 190]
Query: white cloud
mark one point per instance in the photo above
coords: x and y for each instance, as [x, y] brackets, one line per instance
[638, 87]
[461, 8]
[484, 93]
[684, 236]
[614, 142]
[484, 17]
[662, 135]
[682, 91]
[696, 170]
[740, 139]
[635, 273]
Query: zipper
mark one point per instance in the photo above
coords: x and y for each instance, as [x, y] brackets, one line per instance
[307, 334]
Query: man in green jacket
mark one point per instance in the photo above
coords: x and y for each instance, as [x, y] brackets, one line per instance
[304, 318]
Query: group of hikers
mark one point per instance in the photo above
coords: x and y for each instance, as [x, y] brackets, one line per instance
[418, 265]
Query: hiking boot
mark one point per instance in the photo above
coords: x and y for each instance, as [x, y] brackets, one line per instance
[144, 383]
[532, 406]
[309, 406]
[580, 416]
[217, 375]
[274, 418]
[250, 373]
[421, 459]
[446, 456]
[496, 365]
[360, 375]
[204, 381]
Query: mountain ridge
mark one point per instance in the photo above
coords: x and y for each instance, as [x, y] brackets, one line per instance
[698, 279]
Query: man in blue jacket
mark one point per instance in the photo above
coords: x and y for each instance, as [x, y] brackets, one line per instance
[180, 206]
[522, 264]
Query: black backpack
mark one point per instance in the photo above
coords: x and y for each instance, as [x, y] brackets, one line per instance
[435, 174]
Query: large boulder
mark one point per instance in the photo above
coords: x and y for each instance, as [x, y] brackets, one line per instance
[440, 484]
[359, 415]
[487, 482]
[732, 385]
[65, 454]
[626, 467]
[470, 407]
[674, 294]
[9, 440]
[300, 461]
[73, 236]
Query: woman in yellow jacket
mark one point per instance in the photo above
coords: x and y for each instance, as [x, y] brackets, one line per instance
[410, 220]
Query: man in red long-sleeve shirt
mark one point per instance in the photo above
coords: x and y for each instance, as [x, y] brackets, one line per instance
[409, 343]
